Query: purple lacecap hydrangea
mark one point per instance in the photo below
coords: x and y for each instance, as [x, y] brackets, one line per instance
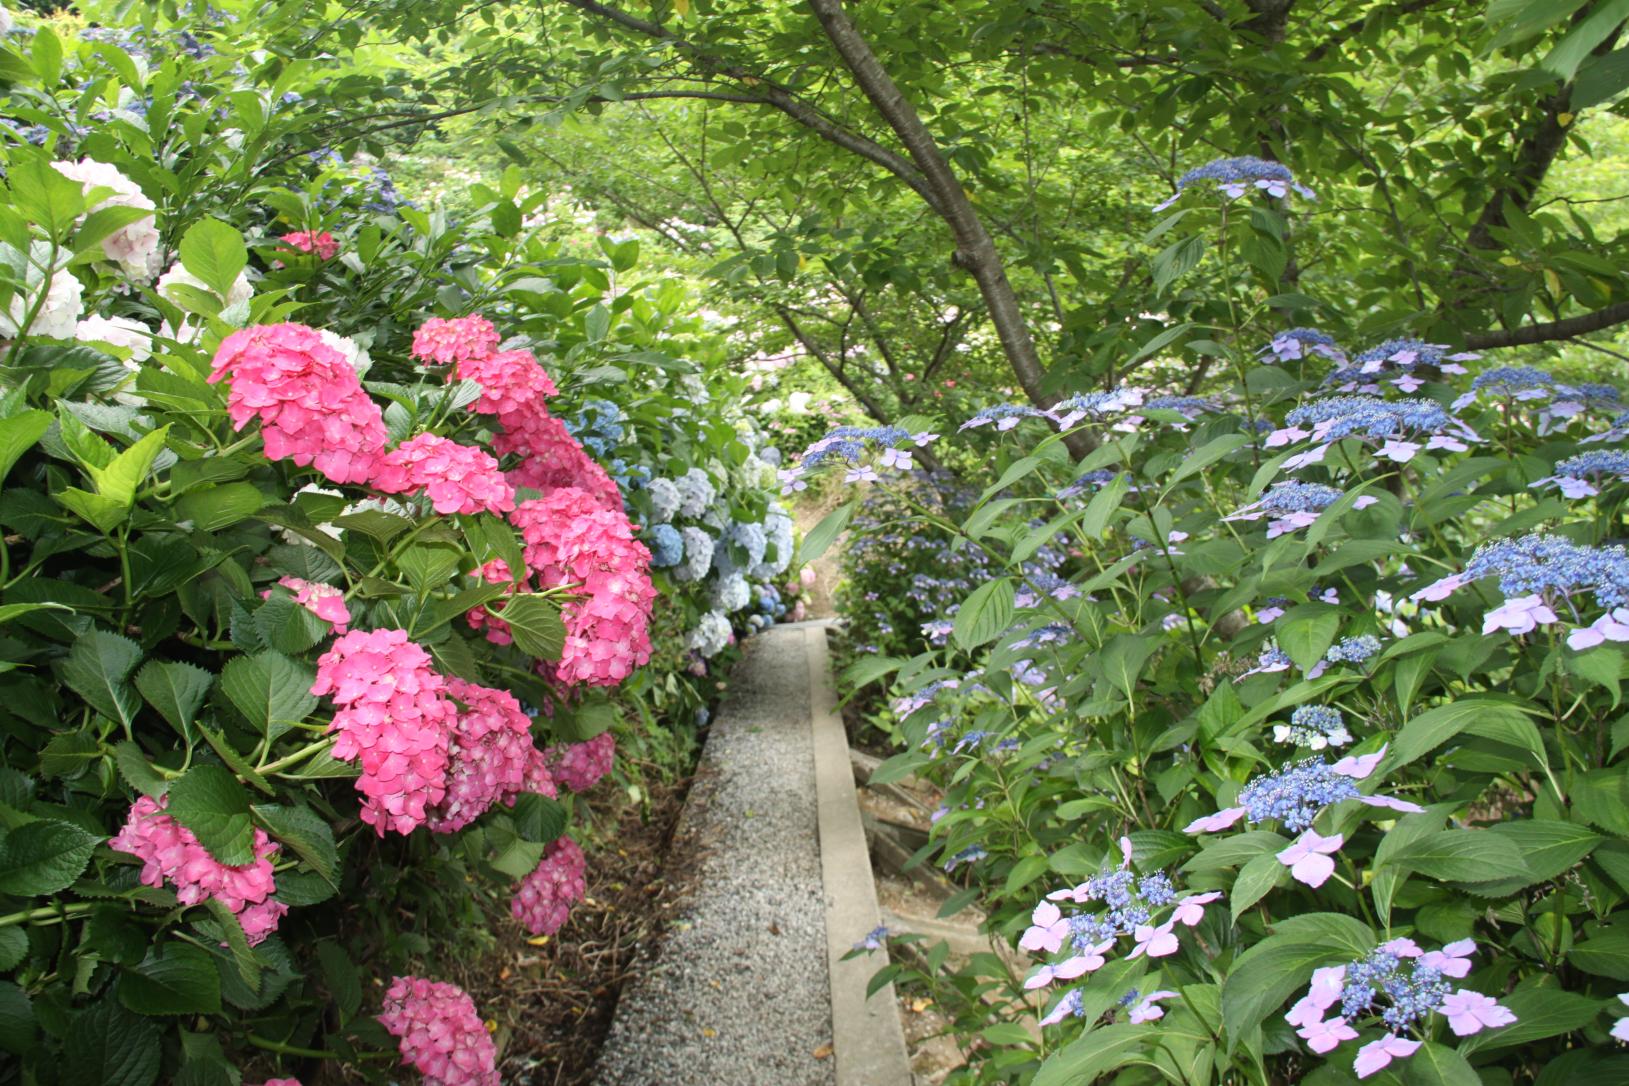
[1003, 416]
[1353, 650]
[1299, 343]
[1237, 175]
[1539, 563]
[1346, 416]
[1295, 794]
[1314, 726]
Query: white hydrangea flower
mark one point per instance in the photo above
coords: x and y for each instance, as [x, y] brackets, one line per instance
[121, 332]
[665, 500]
[130, 246]
[355, 357]
[696, 493]
[58, 316]
[698, 555]
[731, 593]
[778, 552]
[711, 634]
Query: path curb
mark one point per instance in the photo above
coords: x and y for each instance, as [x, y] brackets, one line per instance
[867, 1037]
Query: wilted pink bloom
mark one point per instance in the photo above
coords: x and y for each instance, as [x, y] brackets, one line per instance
[543, 899]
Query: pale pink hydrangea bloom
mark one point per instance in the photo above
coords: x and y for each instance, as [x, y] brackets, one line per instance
[439, 1032]
[543, 899]
[1377, 1055]
[131, 247]
[1149, 1010]
[1311, 857]
[395, 718]
[323, 600]
[444, 340]
[571, 539]
[310, 403]
[1620, 1028]
[1471, 1012]
[170, 852]
[490, 753]
[309, 241]
[579, 766]
[457, 478]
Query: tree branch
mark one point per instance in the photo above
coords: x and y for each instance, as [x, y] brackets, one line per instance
[1549, 332]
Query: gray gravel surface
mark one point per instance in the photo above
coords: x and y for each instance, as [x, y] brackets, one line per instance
[738, 995]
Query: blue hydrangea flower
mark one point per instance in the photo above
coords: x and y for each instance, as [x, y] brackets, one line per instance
[1299, 343]
[1236, 176]
[698, 554]
[666, 546]
[1004, 416]
[1295, 794]
[1576, 476]
[1353, 650]
[1314, 727]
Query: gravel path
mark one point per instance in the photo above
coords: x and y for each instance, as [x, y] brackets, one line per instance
[739, 995]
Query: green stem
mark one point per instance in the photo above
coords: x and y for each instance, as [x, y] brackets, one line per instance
[54, 913]
[298, 756]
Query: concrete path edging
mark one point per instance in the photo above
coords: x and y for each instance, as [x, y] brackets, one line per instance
[867, 1037]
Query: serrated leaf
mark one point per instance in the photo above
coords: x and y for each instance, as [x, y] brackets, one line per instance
[177, 690]
[535, 623]
[1434, 727]
[230, 929]
[43, 857]
[109, 1046]
[182, 980]
[137, 771]
[98, 669]
[216, 507]
[1458, 855]
[215, 253]
[18, 434]
[307, 834]
[272, 691]
[1307, 631]
[213, 804]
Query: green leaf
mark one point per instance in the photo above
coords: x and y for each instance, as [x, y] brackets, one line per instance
[1574, 48]
[1205, 456]
[1307, 631]
[822, 535]
[1123, 658]
[1437, 1065]
[1095, 520]
[18, 434]
[341, 976]
[98, 669]
[1605, 955]
[1462, 856]
[118, 481]
[230, 929]
[1176, 260]
[538, 818]
[210, 801]
[1549, 847]
[43, 857]
[216, 507]
[1256, 879]
[181, 981]
[985, 614]
[304, 832]
[17, 1027]
[109, 1046]
[519, 857]
[177, 691]
[1094, 1054]
[535, 623]
[1434, 727]
[137, 771]
[271, 691]
[215, 253]
[13, 947]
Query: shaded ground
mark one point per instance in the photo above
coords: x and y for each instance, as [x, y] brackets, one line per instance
[559, 996]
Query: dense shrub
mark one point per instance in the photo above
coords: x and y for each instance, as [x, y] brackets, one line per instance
[1312, 771]
[326, 580]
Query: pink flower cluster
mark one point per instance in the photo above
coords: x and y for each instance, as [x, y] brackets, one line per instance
[458, 478]
[309, 241]
[497, 630]
[491, 757]
[579, 766]
[515, 388]
[444, 340]
[572, 540]
[310, 403]
[170, 851]
[395, 717]
[543, 900]
[324, 601]
[439, 1032]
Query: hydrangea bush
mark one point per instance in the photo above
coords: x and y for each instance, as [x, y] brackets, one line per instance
[1311, 766]
[326, 586]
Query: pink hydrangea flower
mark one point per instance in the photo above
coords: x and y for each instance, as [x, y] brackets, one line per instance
[1047, 931]
[1156, 942]
[309, 401]
[513, 383]
[445, 340]
[170, 852]
[1377, 1055]
[1094, 958]
[1149, 1010]
[572, 540]
[1191, 909]
[394, 718]
[1310, 857]
[1325, 1037]
[1453, 960]
[281, 1082]
[1612, 626]
[551, 459]
[1217, 822]
[439, 1032]
[543, 899]
[324, 601]
[457, 478]
[309, 241]
[497, 630]
[1471, 1012]
[579, 766]
[490, 755]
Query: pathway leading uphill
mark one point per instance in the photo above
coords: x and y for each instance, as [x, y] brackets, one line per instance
[748, 989]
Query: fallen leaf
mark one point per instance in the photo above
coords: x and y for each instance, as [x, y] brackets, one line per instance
[709, 1032]
[920, 1005]
[774, 927]
[823, 1052]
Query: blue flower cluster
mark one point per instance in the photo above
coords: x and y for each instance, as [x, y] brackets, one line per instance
[1298, 498]
[1131, 903]
[1315, 726]
[666, 546]
[1295, 794]
[1539, 563]
[598, 427]
[1592, 464]
[1343, 416]
[1353, 650]
[1412, 989]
